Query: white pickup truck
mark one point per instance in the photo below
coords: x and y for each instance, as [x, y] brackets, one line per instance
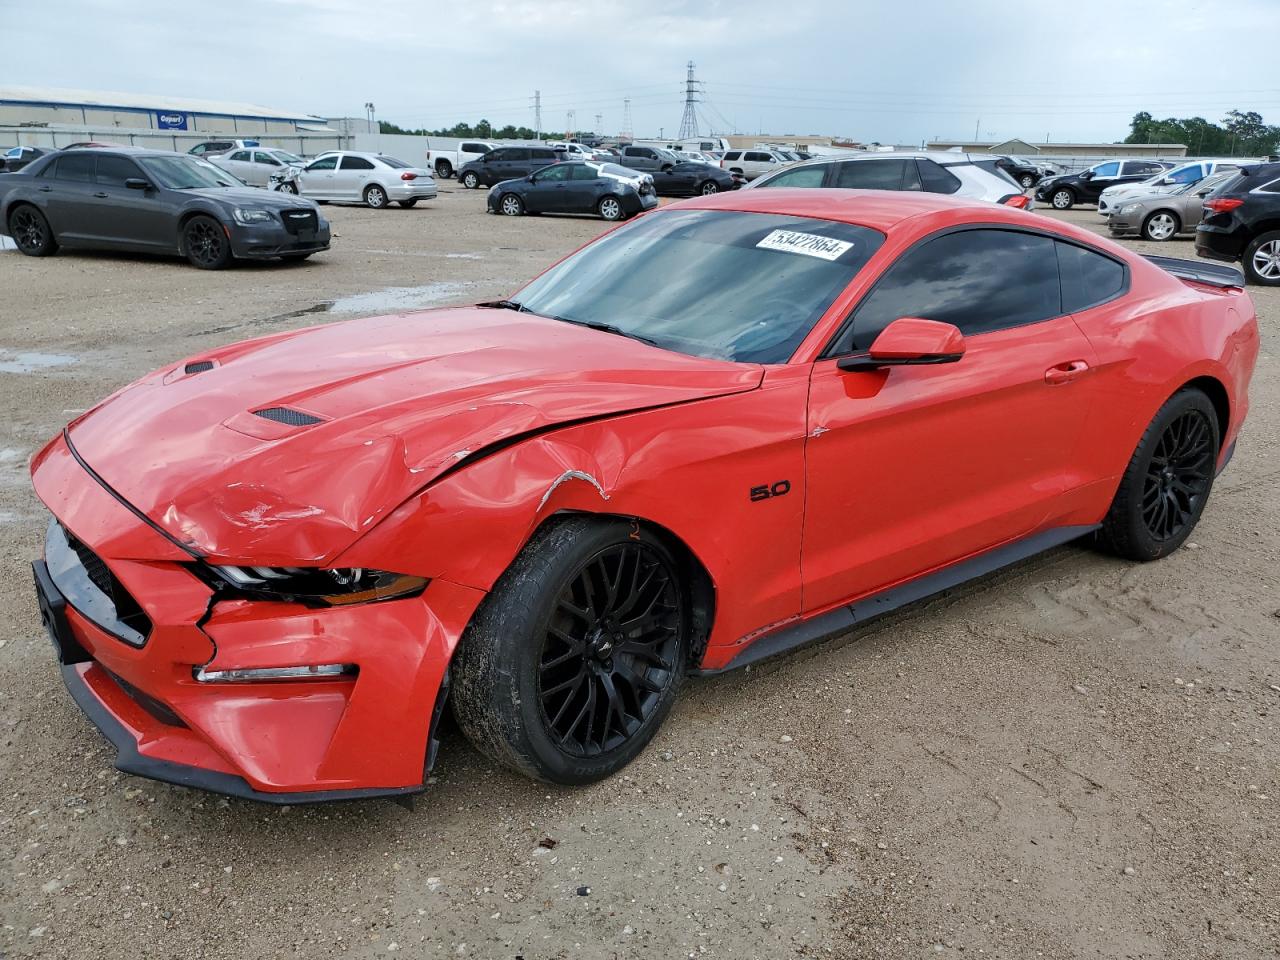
[449, 158]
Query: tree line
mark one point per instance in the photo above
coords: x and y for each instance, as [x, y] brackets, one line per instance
[1240, 134]
[483, 130]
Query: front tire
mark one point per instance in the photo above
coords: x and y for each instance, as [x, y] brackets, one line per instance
[205, 243]
[1062, 199]
[289, 188]
[1262, 260]
[470, 180]
[375, 196]
[1161, 226]
[575, 658]
[1165, 487]
[610, 208]
[31, 231]
[1027, 181]
[510, 205]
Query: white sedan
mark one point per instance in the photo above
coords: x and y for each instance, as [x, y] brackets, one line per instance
[373, 179]
[256, 166]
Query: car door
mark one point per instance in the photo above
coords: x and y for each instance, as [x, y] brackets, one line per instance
[238, 162]
[518, 163]
[68, 193]
[353, 175]
[1104, 175]
[550, 190]
[128, 217]
[316, 178]
[812, 175]
[260, 170]
[756, 163]
[914, 467]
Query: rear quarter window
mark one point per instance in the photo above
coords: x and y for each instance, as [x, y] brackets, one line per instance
[1088, 278]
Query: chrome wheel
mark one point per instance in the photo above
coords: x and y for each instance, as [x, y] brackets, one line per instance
[1161, 226]
[511, 205]
[610, 209]
[375, 197]
[470, 181]
[1062, 200]
[610, 649]
[289, 188]
[710, 187]
[1027, 182]
[1266, 260]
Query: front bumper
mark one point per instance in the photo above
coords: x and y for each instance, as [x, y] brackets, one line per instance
[1122, 225]
[281, 742]
[262, 241]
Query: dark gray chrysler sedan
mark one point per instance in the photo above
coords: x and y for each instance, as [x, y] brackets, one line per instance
[153, 201]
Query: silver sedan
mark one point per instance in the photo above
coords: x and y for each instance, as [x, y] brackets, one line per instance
[256, 166]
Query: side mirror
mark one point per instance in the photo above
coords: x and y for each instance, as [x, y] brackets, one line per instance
[909, 341]
[1086, 175]
[137, 183]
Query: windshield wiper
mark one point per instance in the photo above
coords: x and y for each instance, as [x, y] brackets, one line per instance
[506, 305]
[606, 328]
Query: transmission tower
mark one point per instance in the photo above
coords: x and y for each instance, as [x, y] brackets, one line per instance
[537, 114]
[689, 122]
[570, 124]
[625, 133]
[599, 124]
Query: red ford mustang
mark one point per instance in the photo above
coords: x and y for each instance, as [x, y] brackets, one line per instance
[730, 427]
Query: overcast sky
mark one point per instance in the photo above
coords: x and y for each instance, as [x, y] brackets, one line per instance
[888, 71]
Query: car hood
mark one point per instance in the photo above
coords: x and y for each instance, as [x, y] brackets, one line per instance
[1136, 190]
[376, 409]
[252, 197]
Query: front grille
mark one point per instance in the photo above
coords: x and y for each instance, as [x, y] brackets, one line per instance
[127, 610]
[297, 220]
[291, 418]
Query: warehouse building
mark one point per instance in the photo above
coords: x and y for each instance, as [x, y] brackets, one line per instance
[103, 110]
[1025, 148]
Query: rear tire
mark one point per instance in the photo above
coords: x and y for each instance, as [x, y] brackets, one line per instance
[610, 208]
[1062, 199]
[708, 188]
[470, 180]
[444, 169]
[375, 196]
[205, 243]
[1262, 260]
[1162, 225]
[1165, 487]
[575, 658]
[31, 231]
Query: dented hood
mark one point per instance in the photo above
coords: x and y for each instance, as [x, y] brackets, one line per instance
[362, 415]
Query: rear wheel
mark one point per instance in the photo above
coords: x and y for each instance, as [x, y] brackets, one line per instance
[1262, 260]
[1165, 488]
[708, 188]
[31, 231]
[375, 196]
[574, 660]
[610, 208]
[1062, 199]
[470, 180]
[1160, 226]
[205, 242]
[511, 205]
[444, 169]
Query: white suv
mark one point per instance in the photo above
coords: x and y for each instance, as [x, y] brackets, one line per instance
[752, 163]
[961, 174]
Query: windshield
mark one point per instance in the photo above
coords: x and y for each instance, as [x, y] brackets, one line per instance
[724, 285]
[186, 173]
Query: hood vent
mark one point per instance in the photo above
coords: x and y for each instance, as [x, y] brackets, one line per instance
[198, 366]
[291, 418]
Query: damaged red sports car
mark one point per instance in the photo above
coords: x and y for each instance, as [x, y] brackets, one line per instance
[732, 426]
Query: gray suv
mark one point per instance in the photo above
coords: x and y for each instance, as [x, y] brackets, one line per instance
[507, 163]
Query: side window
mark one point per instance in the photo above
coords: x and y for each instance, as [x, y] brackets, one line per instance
[472, 148]
[517, 153]
[116, 170]
[760, 158]
[77, 167]
[910, 178]
[733, 155]
[870, 174]
[495, 155]
[1107, 169]
[979, 280]
[936, 178]
[800, 177]
[582, 171]
[1272, 187]
[265, 158]
[240, 155]
[356, 163]
[556, 174]
[1189, 175]
[1088, 278]
[324, 163]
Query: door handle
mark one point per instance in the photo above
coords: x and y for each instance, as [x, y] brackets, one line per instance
[101, 196]
[46, 189]
[1066, 372]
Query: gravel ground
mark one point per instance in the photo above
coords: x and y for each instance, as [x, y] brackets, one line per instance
[1074, 758]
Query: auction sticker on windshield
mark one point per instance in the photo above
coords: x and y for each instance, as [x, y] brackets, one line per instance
[810, 244]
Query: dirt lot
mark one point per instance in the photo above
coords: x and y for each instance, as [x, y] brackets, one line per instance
[1075, 758]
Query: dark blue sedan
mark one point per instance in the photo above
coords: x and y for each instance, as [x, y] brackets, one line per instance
[605, 190]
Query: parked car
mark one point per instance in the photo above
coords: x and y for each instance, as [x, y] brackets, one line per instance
[208, 148]
[647, 159]
[977, 178]
[153, 201]
[348, 176]
[1241, 223]
[690, 178]
[1166, 181]
[1163, 216]
[255, 166]
[1026, 175]
[751, 163]
[556, 507]
[1065, 191]
[446, 162]
[507, 163]
[15, 158]
[573, 150]
[587, 187]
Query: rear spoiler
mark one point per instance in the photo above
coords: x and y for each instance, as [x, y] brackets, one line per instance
[1197, 271]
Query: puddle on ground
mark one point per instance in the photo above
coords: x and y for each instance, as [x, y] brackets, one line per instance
[399, 298]
[13, 362]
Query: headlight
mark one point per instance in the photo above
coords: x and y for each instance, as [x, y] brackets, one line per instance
[315, 586]
[1130, 208]
[252, 216]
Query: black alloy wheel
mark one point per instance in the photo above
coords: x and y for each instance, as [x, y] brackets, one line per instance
[610, 649]
[30, 231]
[1178, 476]
[206, 244]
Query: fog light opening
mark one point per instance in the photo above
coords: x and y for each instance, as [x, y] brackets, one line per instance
[317, 671]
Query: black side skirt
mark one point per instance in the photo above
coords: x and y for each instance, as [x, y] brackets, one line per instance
[842, 619]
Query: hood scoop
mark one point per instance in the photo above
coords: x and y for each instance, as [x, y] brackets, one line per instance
[289, 417]
[198, 366]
